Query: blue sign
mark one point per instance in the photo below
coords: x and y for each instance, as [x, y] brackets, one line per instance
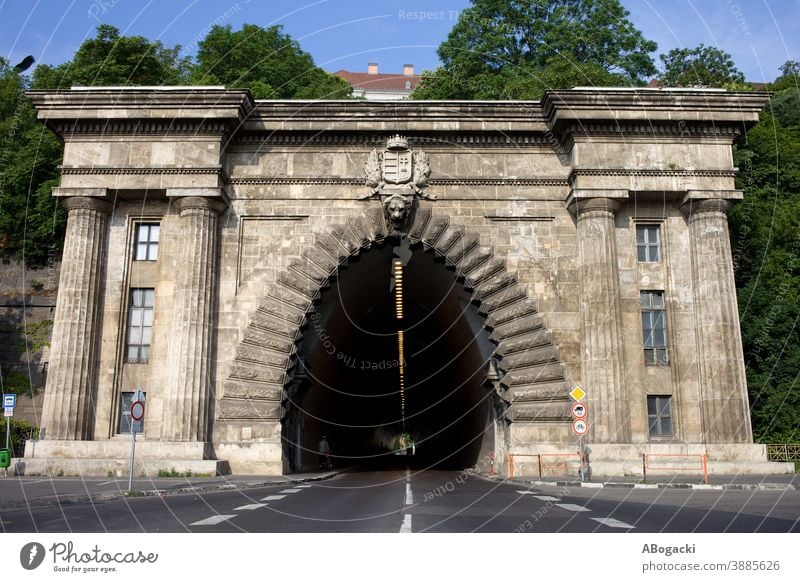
[9, 400]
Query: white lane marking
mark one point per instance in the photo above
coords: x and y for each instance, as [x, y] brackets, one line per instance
[546, 498]
[303, 486]
[571, 507]
[611, 522]
[528, 493]
[409, 495]
[290, 491]
[213, 520]
[273, 497]
[251, 506]
[406, 527]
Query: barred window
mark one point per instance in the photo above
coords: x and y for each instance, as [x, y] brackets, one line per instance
[648, 242]
[654, 328]
[140, 326]
[147, 234]
[659, 415]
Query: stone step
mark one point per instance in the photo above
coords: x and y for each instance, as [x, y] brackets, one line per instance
[249, 389]
[544, 374]
[517, 327]
[529, 358]
[515, 310]
[539, 392]
[529, 340]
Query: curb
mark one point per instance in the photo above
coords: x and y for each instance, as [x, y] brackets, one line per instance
[622, 485]
[70, 499]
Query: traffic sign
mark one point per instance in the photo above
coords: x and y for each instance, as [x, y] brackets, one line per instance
[137, 410]
[8, 411]
[580, 427]
[579, 410]
[9, 400]
[577, 393]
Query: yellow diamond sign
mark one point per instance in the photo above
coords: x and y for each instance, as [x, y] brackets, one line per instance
[577, 393]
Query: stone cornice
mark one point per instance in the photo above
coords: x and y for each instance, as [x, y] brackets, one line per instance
[577, 172]
[359, 181]
[487, 139]
[138, 170]
[141, 127]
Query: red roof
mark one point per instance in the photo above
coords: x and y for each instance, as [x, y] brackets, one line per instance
[379, 81]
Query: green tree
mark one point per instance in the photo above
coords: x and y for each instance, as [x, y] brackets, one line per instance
[702, 66]
[518, 48]
[265, 60]
[112, 59]
[765, 238]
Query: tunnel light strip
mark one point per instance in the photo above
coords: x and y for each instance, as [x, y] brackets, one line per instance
[398, 298]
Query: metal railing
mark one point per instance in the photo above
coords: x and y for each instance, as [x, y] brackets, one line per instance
[783, 452]
[649, 463]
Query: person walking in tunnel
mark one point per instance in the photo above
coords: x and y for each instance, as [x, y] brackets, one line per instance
[324, 453]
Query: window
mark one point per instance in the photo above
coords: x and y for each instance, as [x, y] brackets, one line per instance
[140, 326]
[659, 415]
[654, 328]
[648, 243]
[146, 241]
[125, 401]
[408, 85]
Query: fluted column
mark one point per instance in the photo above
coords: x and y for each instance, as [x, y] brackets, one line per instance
[69, 398]
[601, 323]
[723, 385]
[188, 387]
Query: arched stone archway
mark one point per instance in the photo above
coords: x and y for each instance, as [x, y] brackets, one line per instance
[531, 379]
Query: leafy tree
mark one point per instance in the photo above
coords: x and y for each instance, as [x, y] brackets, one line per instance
[112, 59]
[519, 48]
[766, 248]
[268, 62]
[702, 66]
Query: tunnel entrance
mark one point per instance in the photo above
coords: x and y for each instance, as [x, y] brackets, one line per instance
[346, 383]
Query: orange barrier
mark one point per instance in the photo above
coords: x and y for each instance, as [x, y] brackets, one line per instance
[702, 465]
[567, 467]
[511, 462]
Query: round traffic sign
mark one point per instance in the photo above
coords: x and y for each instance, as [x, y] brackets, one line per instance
[579, 410]
[137, 410]
[580, 427]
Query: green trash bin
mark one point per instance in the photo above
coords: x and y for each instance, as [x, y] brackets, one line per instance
[5, 458]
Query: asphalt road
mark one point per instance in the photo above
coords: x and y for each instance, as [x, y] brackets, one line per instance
[405, 501]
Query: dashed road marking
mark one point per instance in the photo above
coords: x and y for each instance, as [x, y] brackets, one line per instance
[530, 493]
[406, 527]
[409, 495]
[302, 486]
[250, 507]
[546, 498]
[273, 497]
[213, 520]
[611, 522]
[572, 507]
[290, 490]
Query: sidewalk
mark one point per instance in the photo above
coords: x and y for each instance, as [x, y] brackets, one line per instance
[22, 492]
[740, 482]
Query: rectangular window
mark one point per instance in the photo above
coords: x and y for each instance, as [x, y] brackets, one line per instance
[125, 401]
[140, 326]
[648, 242]
[659, 415]
[146, 244]
[654, 328]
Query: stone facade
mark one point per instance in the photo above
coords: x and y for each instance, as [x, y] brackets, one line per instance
[261, 204]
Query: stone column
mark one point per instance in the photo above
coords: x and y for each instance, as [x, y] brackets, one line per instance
[602, 342]
[69, 398]
[189, 356]
[723, 385]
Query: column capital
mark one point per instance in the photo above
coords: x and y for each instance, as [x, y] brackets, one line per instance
[216, 205]
[87, 203]
[692, 208]
[586, 207]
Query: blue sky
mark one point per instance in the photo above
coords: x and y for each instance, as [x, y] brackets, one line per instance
[346, 34]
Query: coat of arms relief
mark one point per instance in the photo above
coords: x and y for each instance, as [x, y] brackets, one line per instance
[397, 175]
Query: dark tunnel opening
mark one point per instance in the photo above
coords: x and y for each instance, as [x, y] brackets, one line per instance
[346, 384]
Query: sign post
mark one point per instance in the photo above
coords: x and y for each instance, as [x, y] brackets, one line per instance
[580, 426]
[9, 404]
[137, 414]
